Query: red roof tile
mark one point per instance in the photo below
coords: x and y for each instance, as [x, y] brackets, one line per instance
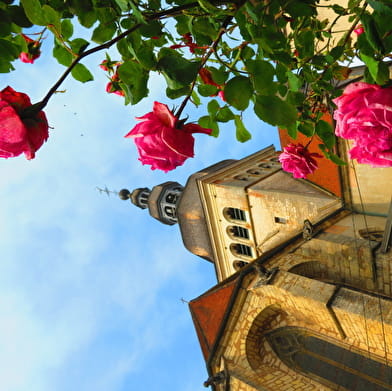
[208, 311]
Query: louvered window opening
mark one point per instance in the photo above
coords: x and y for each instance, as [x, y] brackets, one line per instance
[240, 232]
[243, 249]
[236, 214]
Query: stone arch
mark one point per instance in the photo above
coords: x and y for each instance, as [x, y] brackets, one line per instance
[267, 370]
[317, 270]
[310, 269]
[268, 319]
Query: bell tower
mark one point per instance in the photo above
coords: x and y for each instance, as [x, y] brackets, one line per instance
[161, 201]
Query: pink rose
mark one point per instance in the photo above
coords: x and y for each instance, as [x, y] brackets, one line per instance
[162, 140]
[108, 66]
[33, 50]
[20, 132]
[296, 159]
[113, 87]
[364, 115]
[221, 95]
[359, 30]
[104, 65]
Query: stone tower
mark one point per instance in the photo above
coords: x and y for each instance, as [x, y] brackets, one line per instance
[303, 300]
[310, 305]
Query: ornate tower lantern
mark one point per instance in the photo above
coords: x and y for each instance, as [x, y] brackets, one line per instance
[161, 201]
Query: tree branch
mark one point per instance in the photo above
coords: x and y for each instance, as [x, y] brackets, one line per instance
[158, 15]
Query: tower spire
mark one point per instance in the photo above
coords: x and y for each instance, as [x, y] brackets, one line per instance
[161, 201]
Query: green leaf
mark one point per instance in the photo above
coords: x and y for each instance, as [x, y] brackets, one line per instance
[123, 4]
[247, 53]
[224, 114]
[81, 73]
[292, 130]
[306, 128]
[88, 18]
[336, 159]
[174, 94]
[296, 98]
[207, 90]
[242, 22]
[337, 52]
[78, 45]
[207, 6]
[134, 80]
[218, 75]
[145, 55]
[9, 52]
[208, 123]
[203, 26]
[295, 82]
[238, 91]
[383, 6]
[5, 28]
[18, 16]
[123, 48]
[275, 111]
[262, 76]
[382, 21]
[5, 66]
[66, 29]
[301, 8]
[52, 19]
[377, 69]
[304, 42]
[339, 9]
[136, 13]
[62, 55]
[364, 46]
[104, 32]
[151, 29]
[241, 133]
[213, 107]
[371, 33]
[34, 12]
[324, 130]
[177, 70]
[281, 72]
[195, 98]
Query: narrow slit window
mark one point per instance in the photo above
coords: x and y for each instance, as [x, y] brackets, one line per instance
[280, 220]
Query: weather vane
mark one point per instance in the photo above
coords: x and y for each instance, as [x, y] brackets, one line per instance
[106, 191]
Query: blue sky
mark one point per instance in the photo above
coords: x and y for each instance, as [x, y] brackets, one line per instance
[91, 286]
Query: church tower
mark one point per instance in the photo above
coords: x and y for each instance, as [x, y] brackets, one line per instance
[304, 270]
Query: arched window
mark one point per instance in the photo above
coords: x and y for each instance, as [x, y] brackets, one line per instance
[241, 177]
[237, 265]
[253, 171]
[240, 249]
[327, 362]
[169, 211]
[238, 232]
[171, 198]
[234, 214]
